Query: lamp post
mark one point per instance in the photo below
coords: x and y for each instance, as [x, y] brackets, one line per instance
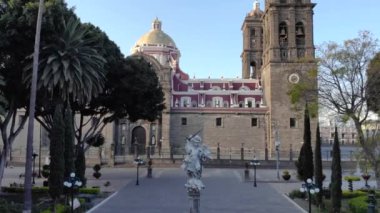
[255, 163]
[39, 152]
[72, 183]
[138, 161]
[34, 155]
[310, 188]
[277, 145]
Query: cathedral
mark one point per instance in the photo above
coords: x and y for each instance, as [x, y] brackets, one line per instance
[230, 114]
[253, 111]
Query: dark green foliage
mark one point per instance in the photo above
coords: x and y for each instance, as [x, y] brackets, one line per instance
[348, 194]
[336, 175]
[9, 207]
[297, 194]
[373, 84]
[305, 167]
[318, 166]
[80, 164]
[298, 164]
[96, 141]
[97, 167]
[57, 162]
[45, 171]
[97, 174]
[42, 190]
[69, 142]
[133, 91]
[358, 204]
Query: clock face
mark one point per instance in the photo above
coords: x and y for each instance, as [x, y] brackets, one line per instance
[294, 78]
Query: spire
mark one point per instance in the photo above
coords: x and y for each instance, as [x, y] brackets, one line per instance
[256, 5]
[156, 24]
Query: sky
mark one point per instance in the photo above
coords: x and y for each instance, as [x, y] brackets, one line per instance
[208, 32]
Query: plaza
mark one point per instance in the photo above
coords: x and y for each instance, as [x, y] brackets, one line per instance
[226, 190]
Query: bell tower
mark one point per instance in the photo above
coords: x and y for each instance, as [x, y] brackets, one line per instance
[252, 43]
[288, 57]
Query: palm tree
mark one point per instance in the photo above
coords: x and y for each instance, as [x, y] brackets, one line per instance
[71, 68]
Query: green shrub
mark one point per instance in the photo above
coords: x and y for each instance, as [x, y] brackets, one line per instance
[10, 207]
[351, 178]
[60, 208]
[297, 194]
[347, 194]
[89, 190]
[358, 204]
[46, 189]
[97, 167]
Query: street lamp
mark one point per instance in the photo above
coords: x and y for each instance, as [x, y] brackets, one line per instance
[72, 183]
[310, 188]
[34, 155]
[277, 144]
[138, 161]
[255, 163]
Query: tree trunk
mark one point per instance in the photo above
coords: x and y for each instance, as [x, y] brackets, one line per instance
[369, 152]
[377, 175]
[3, 160]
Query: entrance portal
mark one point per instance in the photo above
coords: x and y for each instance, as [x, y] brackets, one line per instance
[138, 141]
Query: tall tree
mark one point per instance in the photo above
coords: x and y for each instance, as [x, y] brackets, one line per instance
[305, 167]
[373, 84]
[132, 91]
[318, 173]
[57, 163]
[17, 32]
[69, 155]
[308, 157]
[336, 175]
[342, 85]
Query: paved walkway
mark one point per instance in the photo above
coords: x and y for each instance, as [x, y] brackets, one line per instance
[225, 192]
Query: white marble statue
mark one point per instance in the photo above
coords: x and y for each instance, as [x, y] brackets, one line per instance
[196, 153]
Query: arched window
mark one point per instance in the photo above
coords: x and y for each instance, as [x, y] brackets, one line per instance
[283, 37]
[300, 34]
[300, 39]
[253, 69]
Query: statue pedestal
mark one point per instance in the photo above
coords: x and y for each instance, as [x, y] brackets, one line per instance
[195, 202]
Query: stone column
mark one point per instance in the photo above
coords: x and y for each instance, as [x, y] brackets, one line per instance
[195, 202]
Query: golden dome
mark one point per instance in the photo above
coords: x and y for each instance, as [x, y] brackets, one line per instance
[156, 37]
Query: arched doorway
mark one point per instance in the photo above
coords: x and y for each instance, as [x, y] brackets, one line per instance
[138, 140]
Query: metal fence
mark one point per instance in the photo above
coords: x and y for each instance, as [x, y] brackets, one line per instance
[348, 153]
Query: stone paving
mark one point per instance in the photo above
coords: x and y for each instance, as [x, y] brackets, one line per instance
[225, 192]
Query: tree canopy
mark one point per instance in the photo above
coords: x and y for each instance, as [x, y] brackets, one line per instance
[343, 85]
[373, 84]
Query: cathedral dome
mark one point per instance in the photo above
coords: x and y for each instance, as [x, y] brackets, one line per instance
[156, 37]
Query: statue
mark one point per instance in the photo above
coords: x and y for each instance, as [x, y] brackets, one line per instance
[192, 164]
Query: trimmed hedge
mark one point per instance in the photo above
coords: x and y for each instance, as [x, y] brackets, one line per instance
[46, 189]
[351, 178]
[358, 204]
[347, 194]
[297, 194]
[60, 208]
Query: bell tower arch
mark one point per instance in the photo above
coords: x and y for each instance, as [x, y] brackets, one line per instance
[252, 43]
